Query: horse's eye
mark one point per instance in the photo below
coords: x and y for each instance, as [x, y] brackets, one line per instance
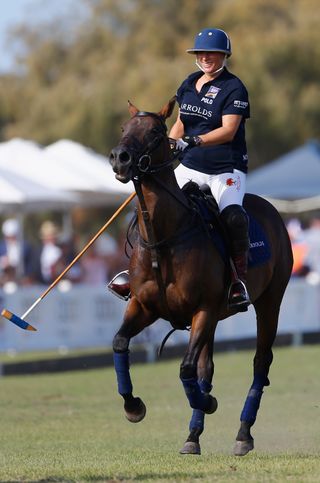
[122, 130]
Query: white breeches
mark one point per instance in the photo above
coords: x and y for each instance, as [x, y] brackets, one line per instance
[227, 188]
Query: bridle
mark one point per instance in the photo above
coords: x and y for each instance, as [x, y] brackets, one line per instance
[142, 152]
[142, 155]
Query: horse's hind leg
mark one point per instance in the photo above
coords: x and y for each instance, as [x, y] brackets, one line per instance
[196, 425]
[267, 309]
[135, 320]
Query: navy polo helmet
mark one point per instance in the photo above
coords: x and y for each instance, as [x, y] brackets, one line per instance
[211, 40]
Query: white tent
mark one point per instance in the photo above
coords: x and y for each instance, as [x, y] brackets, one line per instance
[19, 194]
[65, 166]
[89, 165]
[291, 182]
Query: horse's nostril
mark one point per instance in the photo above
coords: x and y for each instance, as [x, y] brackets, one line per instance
[124, 157]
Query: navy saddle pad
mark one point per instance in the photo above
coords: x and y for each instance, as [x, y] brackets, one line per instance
[259, 252]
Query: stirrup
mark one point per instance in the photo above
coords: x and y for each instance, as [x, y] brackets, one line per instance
[242, 304]
[123, 280]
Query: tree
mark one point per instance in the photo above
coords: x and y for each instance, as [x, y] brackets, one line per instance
[74, 79]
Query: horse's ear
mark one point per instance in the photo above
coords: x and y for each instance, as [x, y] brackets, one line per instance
[167, 110]
[132, 109]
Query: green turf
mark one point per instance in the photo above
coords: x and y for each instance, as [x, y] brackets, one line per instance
[13, 357]
[70, 427]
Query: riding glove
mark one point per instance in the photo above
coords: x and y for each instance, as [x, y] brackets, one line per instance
[192, 141]
[181, 145]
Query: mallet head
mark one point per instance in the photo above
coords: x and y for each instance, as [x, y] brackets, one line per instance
[16, 320]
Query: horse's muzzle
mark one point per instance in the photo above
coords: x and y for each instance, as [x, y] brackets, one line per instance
[121, 161]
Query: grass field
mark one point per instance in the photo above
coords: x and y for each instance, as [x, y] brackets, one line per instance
[71, 427]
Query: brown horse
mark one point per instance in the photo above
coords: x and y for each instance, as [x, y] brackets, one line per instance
[177, 273]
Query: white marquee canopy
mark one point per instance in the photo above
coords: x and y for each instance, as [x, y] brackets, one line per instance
[291, 182]
[65, 167]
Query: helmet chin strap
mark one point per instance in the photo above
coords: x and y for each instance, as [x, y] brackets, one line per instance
[216, 71]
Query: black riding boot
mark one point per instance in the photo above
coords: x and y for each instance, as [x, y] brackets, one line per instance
[235, 221]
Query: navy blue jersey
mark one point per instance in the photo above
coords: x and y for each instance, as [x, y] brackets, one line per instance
[201, 112]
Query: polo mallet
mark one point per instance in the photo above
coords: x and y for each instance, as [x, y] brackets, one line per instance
[20, 322]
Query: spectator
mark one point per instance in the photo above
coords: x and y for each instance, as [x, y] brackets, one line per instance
[68, 253]
[49, 252]
[300, 248]
[94, 270]
[98, 261]
[16, 255]
[312, 235]
[107, 248]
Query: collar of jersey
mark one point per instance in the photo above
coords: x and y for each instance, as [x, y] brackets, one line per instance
[196, 75]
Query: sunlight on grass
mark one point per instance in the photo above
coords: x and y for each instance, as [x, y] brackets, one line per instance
[71, 426]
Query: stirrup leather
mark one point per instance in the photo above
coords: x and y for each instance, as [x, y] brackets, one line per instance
[124, 275]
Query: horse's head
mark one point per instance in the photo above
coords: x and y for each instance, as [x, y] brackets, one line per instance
[144, 145]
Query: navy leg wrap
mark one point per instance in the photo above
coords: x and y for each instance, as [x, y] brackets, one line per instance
[252, 404]
[194, 393]
[121, 365]
[205, 386]
[197, 419]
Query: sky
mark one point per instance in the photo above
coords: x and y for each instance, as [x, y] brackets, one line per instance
[13, 12]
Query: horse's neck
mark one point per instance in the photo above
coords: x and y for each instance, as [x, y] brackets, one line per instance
[166, 209]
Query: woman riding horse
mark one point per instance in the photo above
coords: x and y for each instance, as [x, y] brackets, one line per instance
[210, 131]
[178, 274]
[210, 134]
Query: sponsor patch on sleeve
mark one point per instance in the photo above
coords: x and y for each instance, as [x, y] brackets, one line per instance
[240, 104]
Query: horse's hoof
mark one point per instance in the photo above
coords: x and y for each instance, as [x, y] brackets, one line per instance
[190, 448]
[135, 412]
[241, 448]
[212, 405]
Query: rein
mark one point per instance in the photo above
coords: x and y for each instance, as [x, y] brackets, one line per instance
[142, 166]
[155, 256]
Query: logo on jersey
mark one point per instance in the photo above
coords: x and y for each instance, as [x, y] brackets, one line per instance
[212, 92]
[240, 104]
[188, 109]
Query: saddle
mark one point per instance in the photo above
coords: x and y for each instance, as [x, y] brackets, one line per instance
[204, 204]
[201, 199]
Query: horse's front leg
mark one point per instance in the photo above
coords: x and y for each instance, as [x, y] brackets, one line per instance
[196, 425]
[135, 320]
[202, 330]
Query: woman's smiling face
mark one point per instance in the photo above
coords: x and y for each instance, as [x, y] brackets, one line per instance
[210, 62]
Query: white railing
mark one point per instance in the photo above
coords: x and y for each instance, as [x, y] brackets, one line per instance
[87, 317]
